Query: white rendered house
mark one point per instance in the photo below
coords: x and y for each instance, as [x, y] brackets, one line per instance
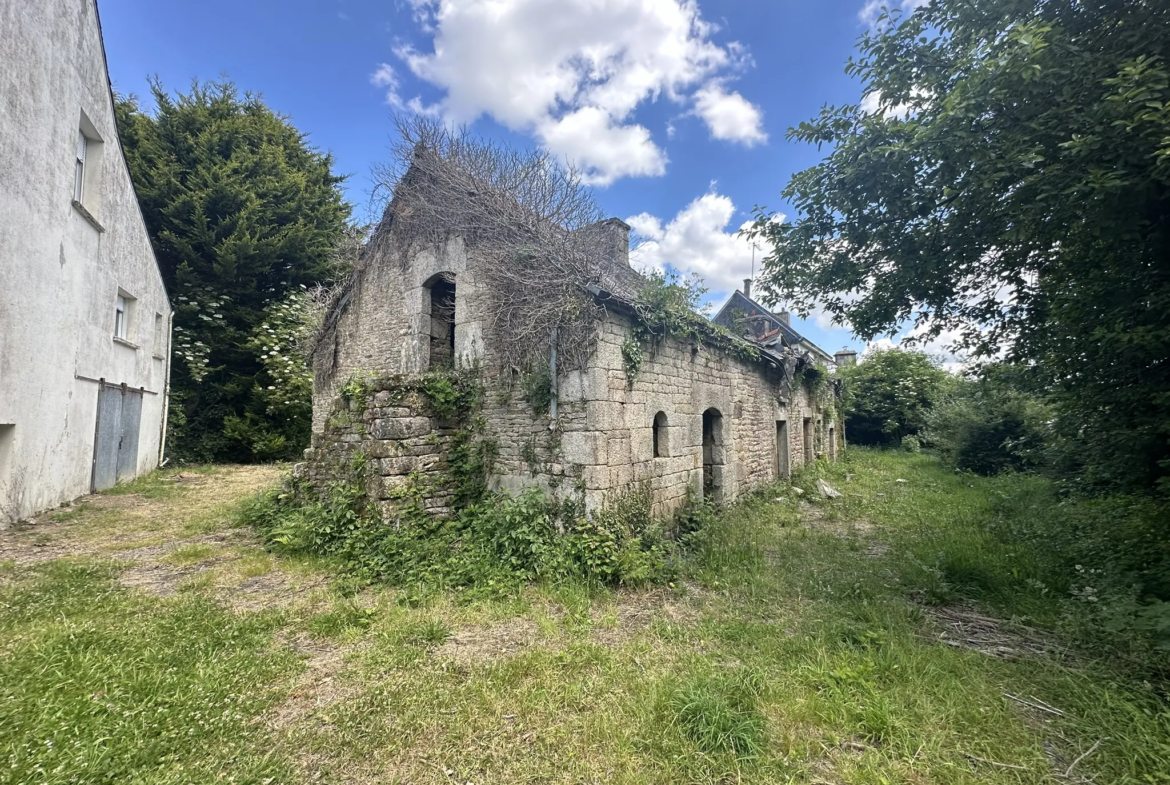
[85, 322]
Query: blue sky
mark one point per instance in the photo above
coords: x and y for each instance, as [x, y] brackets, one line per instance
[677, 110]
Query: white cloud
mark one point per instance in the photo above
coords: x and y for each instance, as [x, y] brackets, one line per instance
[627, 149]
[873, 8]
[697, 240]
[730, 116]
[385, 77]
[572, 72]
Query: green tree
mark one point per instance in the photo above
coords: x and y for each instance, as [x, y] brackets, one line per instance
[889, 394]
[244, 216]
[1013, 185]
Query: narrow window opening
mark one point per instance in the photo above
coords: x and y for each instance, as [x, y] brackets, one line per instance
[120, 318]
[661, 448]
[159, 336]
[79, 167]
[443, 323]
[783, 469]
[124, 310]
[713, 455]
[808, 440]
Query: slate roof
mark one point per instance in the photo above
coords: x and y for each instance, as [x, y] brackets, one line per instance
[766, 328]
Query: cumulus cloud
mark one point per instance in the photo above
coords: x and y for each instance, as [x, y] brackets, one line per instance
[572, 73]
[697, 240]
[873, 8]
[730, 116]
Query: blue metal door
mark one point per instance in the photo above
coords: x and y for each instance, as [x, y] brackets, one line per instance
[115, 449]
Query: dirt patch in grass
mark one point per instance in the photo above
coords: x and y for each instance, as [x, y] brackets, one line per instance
[636, 611]
[275, 589]
[475, 645]
[319, 686]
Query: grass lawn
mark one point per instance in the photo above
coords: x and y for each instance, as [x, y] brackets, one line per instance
[886, 636]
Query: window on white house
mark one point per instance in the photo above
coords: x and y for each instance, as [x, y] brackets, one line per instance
[124, 310]
[79, 167]
[158, 335]
[120, 318]
[87, 170]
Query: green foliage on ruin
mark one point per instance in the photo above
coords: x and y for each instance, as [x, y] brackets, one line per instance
[536, 388]
[450, 394]
[668, 305]
[491, 547]
[492, 543]
[244, 217]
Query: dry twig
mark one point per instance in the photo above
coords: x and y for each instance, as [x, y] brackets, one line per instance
[1083, 755]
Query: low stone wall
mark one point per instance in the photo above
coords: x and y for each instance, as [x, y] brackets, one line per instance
[387, 439]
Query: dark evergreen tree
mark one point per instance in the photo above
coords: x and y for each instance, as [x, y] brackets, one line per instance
[244, 216]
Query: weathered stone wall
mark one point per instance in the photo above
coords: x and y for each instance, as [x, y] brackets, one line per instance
[601, 441]
[614, 446]
[385, 325]
[388, 441]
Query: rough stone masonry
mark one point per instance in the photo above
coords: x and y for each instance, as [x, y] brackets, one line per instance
[703, 415]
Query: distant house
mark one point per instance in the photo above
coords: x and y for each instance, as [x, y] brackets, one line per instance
[715, 415]
[744, 316]
[84, 317]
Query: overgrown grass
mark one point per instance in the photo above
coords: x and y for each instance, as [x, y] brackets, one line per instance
[797, 643]
[99, 684]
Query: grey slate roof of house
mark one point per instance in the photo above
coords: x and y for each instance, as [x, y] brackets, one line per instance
[766, 328]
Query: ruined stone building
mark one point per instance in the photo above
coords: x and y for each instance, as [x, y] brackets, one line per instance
[84, 317]
[710, 411]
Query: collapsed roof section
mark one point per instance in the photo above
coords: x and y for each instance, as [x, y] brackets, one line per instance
[770, 330]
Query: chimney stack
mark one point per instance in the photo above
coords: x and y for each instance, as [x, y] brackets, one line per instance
[747, 288]
[845, 357]
[783, 316]
[612, 237]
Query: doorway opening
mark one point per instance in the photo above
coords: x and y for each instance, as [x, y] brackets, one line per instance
[712, 455]
[442, 333]
[809, 454]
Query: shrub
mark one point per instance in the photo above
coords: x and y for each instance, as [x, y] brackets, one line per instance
[491, 547]
[989, 426]
[888, 396]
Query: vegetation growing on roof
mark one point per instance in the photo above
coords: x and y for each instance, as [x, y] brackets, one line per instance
[670, 305]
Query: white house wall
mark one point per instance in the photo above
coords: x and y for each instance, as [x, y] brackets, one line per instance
[60, 269]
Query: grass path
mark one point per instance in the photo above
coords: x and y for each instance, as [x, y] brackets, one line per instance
[145, 638]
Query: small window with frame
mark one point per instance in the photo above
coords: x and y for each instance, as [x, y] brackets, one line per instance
[124, 310]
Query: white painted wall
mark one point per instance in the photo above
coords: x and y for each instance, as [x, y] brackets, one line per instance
[61, 270]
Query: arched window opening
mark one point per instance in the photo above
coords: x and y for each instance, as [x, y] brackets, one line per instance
[661, 446]
[442, 332]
